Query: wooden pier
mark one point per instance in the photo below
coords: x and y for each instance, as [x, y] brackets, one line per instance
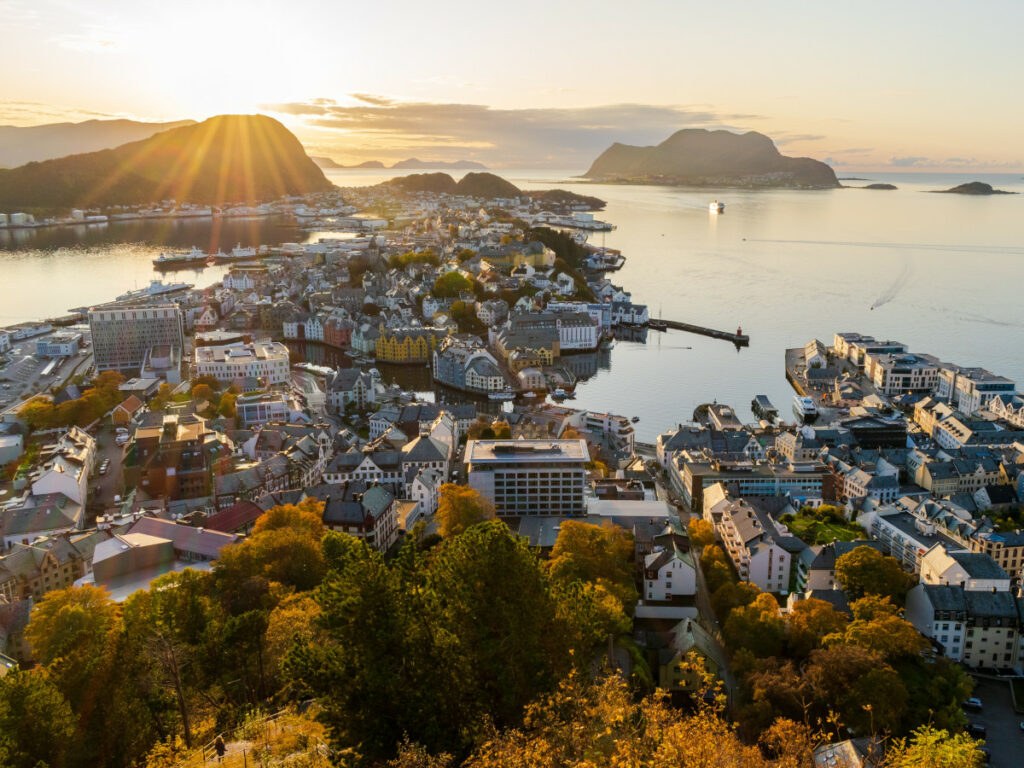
[739, 339]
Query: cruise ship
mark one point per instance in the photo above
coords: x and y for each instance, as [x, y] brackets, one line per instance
[716, 207]
[155, 288]
[192, 258]
[804, 409]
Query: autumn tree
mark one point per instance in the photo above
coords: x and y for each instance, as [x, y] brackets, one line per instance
[866, 571]
[459, 507]
[701, 533]
[810, 622]
[600, 555]
[877, 627]
[451, 284]
[758, 627]
[306, 516]
[730, 596]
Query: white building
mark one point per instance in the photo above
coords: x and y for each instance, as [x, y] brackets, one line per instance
[530, 477]
[266, 361]
[669, 573]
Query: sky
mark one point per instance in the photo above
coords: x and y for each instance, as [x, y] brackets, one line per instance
[864, 86]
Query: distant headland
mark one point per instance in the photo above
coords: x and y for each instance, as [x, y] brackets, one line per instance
[973, 188]
[698, 157]
[412, 163]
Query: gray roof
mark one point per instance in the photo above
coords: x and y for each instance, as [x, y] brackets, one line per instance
[424, 449]
[946, 597]
[979, 565]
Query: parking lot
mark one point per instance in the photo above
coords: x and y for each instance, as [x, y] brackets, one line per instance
[1004, 738]
[109, 484]
[21, 376]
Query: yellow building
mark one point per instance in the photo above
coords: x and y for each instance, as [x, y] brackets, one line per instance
[524, 357]
[408, 345]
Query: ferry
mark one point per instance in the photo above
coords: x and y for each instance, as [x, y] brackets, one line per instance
[155, 288]
[804, 409]
[716, 207]
[763, 407]
[238, 253]
[193, 258]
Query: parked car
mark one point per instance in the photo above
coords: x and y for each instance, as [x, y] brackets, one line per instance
[973, 704]
[977, 730]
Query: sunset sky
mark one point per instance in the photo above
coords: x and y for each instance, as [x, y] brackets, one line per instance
[867, 85]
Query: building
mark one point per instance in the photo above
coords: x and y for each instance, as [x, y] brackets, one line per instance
[530, 477]
[466, 365]
[368, 511]
[265, 361]
[261, 408]
[122, 336]
[971, 389]
[902, 373]
[856, 347]
[59, 345]
[350, 385]
[577, 331]
[669, 573]
[753, 542]
[173, 456]
[409, 344]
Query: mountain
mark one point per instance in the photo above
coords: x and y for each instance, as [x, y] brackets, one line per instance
[974, 188]
[329, 163]
[879, 186]
[565, 198]
[698, 157]
[20, 145]
[437, 183]
[230, 158]
[485, 185]
[416, 164]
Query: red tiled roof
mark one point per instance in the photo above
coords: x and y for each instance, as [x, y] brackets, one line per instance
[131, 404]
[234, 518]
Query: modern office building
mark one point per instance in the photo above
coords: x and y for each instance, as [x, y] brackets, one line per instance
[530, 477]
[266, 361]
[122, 336]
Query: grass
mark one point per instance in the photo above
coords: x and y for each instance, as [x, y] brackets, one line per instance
[814, 531]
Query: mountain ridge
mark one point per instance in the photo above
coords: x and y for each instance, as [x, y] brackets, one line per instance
[228, 158]
[699, 157]
[35, 143]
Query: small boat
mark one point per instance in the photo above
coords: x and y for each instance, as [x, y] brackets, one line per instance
[559, 394]
[716, 207]
[805, 409]
[635, 419]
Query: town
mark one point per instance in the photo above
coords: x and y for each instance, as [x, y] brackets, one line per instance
[879, 531]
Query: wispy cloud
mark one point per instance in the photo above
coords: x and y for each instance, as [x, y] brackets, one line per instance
[373, 125]
[908, 162]
[34, 113]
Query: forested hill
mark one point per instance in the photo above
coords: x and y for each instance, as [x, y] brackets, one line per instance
[229, 158]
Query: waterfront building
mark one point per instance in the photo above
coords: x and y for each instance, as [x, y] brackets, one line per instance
[463, 364]
[530, 477]
[123, 336]
[59, 345]
[576, 330]
[408, 344]
[350, 385]
[265, 361]
[856, 347]
[971, 389]
[902, 373]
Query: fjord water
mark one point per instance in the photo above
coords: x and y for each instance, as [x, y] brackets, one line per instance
[944, 273]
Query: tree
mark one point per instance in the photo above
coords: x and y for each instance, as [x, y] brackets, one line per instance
[598, 554]
[370, 309]
[866, 571]
[856, 684]
[460, 507]
[294, 620]
[701, 533]
[71, 633]
[306, 516]
[810, 622]
[877, 627]
[451, 284]
[36, 721]
[730, 596]
[204, 392]
[227, 405]
[929, 747]
[756, 627]
[465, 255]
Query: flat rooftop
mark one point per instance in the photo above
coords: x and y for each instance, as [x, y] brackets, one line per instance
[522, 451]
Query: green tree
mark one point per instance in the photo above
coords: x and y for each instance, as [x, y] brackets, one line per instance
[459, 507]
[866, 571]
[226, 408]
[758, 627]
[451, 284]
[36, 721]
[930, 747]
[730, 596]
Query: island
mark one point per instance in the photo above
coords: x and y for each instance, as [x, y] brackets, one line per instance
[702, 158]
[332, 165]
[225, 158]
[879, 186]
[973, 188]
[414, 163]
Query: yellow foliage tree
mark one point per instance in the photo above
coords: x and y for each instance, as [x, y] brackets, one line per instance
[459, 507]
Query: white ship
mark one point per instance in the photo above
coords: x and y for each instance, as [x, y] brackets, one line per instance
[804, 409]
[155, 288]
[716, 207]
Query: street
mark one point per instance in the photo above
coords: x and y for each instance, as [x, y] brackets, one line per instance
[1004, 739]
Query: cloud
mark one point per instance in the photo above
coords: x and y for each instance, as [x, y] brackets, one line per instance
[375, 126]
[34, 113]
[835, 162]
[908, 162]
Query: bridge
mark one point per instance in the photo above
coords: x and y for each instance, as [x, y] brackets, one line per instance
[739, 338]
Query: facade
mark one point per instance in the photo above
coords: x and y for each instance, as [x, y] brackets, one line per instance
[122, 337]
[576, 330]
[265, 361]
[669, 573]
[465, 365]
[59, 345]
[898, 374]
[367, 511]
[350, 385]
[261, 408]
[752, 542]
[174, 457]
[408, 345]
[530, 477]
[971, 389]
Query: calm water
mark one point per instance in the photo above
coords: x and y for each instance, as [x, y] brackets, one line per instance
[944, 272]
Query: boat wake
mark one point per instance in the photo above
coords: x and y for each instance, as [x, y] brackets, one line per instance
[894, 289]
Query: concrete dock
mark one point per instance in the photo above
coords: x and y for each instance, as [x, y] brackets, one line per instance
[739, 339]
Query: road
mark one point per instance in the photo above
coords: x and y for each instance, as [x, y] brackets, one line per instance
[109, 485]
[1005, 739]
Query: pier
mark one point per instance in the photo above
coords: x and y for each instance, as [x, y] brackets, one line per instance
[739, 338]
